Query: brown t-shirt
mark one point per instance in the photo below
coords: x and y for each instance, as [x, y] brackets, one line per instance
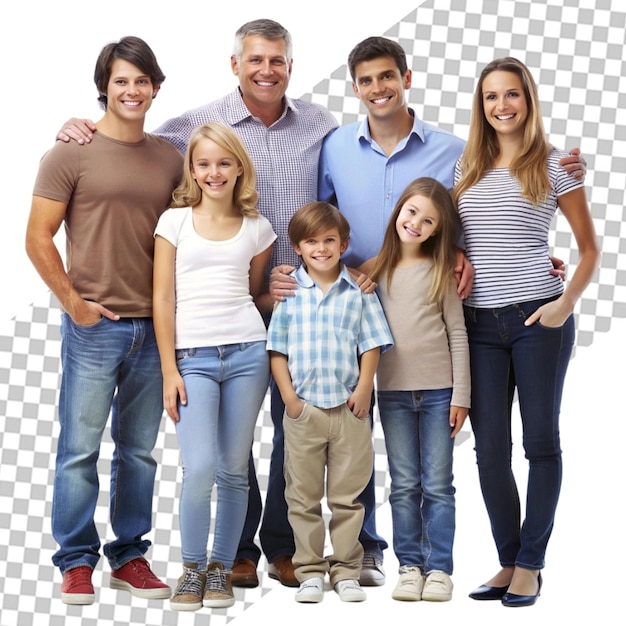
[115, 192]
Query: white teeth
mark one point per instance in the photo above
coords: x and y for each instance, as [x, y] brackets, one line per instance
[264, 84]
[504, 117]
[132, 103]
[382, 100]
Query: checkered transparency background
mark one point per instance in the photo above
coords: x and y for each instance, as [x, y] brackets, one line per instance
[575, 50]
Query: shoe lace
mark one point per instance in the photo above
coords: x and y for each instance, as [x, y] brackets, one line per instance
[347, 585]
[306, 584]
[191, 583]
[371, 560]
[142, 568]
[216, 580]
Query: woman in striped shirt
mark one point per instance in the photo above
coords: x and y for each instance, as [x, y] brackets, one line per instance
[519, 316]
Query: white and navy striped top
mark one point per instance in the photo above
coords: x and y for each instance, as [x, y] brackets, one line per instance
[506, 236]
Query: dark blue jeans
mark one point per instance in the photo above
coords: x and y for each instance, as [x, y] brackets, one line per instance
[506, 355]
[275, 534]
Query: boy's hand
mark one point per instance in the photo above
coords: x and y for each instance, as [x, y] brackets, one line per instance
[294, 408]
[282, 285]
[359, 403]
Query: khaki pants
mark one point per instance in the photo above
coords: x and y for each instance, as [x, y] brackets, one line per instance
[335, 441]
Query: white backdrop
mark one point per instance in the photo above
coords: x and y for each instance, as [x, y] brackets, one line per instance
[47, 54]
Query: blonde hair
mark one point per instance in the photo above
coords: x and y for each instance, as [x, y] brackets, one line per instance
[245, 196]
[440, 247]
[482, 149]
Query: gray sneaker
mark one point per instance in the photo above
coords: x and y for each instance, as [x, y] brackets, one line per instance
[189, 590]
[218, 592]
[410, 584]
[372, 572]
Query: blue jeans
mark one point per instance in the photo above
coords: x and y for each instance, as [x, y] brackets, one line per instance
[276, 534]
[505, 355]
[225, 387]
[108, 366]
[419, 451]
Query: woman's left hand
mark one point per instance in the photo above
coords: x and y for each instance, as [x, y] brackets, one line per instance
[551, 315]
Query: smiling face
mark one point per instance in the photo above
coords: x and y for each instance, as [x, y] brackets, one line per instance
[417, 220]
[263, 71]
[129, 92]
[321, 252]
[504, 103]
[215, 170]
[380, 86]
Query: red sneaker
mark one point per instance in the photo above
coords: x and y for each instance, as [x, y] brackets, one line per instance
[137, 577]
[77, 587]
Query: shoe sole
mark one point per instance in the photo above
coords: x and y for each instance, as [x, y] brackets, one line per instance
[185, 606]
[218, 604]
[352, 597]
[150, 594]
[312, 598]
[406, 597]
[436, 597]
[78, 598]
[248, 583]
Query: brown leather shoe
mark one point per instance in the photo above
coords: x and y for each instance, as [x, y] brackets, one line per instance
[281, 568]
[244, 573]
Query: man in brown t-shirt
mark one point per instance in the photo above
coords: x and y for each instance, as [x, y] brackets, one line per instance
[109, 196]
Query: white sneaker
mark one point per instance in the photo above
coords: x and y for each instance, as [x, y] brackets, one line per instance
[310, 590]
[349, 590]
[437, 587]
[372, 572]
[410, 584]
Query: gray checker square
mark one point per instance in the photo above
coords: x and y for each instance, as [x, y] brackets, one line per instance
[575, 50]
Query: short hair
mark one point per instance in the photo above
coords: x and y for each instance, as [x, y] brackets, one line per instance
[314, 218]
[245, 195]
[131, 49]
[374, 48]
[268, 29]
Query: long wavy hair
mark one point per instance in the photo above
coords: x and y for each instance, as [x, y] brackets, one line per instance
[482, 149]
[440, 247]
[245, 196]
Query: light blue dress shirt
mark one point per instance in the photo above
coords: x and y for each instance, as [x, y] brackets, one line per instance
[365, 184]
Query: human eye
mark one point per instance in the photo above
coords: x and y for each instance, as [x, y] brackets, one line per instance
[513, 94]
[364, 81]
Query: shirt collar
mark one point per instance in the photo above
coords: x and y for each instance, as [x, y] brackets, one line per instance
[304, 280]
[417, 129]
[237, 111]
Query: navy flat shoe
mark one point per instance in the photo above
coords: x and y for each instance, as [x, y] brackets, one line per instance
[485, 592]
[513, 599]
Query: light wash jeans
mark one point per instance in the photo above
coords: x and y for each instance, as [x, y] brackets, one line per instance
[417, 430]
[225, 387]
[108, 366]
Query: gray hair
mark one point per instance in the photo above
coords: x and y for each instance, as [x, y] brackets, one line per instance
[268, 29]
